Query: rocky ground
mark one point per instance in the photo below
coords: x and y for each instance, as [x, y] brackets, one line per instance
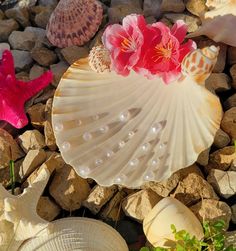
[208, 187]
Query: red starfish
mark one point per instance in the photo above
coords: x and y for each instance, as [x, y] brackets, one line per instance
[14, 93]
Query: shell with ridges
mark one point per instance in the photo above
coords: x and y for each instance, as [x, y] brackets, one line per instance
[76, 234]
[74, 22]
[219, 22]
[130, 130]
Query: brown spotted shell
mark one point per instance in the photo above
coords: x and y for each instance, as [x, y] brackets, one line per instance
[199, 63]
[74, 22]
[99, 59]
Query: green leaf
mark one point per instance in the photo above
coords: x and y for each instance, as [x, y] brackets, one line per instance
[144, 249]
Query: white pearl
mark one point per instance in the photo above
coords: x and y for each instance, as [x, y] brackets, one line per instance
[121, 144]
[162, 145]
[83, 170]
[104, 129]
[98, 162]
[145, 147]
[134, 162]
[156, 128]
[65, 146]
[131, 134]
[58, 127]
[87, 136]
[109, 153]
[124, 116]
[154, 162]
[120, 179]
[149, 176]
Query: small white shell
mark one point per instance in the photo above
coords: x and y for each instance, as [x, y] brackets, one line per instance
[134, 118]
[157, 224]
[82, 234]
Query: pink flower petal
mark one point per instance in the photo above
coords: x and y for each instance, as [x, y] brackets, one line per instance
[179, 30]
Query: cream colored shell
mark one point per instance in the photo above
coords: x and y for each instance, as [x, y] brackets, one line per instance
[81, 234]
[219, 22]
[130, 130]
[157, 224]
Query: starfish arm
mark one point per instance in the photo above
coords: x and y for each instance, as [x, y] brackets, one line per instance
[34, 86]
[7, 64]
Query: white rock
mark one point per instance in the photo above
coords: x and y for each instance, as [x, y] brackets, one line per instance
[22, 60]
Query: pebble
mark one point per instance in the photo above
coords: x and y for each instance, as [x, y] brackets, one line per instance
[22, 60]
[1, 15]
[224, 182]
[73, 53]
[68, 189]
[233, 75]
[43, 56]
[48, 2]
[36, 71]
[230, 239]
[212, 211]
[228, 123]
[233, 210]
[139, 204]
[38, 32]
[230, 102]
[31, 140]
[22, 40]
[203, 157]
[7, 26]
[49, 136]
[21, 15]
[26, 3]
[196, 7]
[98, 197]
[32, 160]
[58, 70]
[221, 139]
[172, 6]
[41, 19]
[192, 189]
[218, 82]
[231, 55]
[47, 209]
[135, 3]
[152, 8]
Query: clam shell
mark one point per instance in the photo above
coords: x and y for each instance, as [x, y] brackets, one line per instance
[82, 234]
[130, 130]
[219, 22]
[74, 22]
[157, 224]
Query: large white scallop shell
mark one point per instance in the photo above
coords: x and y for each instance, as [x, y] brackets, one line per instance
[129, 130]
[219, 22]
[82, 234]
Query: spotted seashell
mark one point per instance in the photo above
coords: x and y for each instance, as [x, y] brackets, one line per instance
[199, 63]
[74, 22]
[99, 59]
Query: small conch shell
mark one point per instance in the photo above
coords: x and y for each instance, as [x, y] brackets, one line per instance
[99, 59]
[131, 130]
[199, 63]
[219, 22]
[74, 22]
[76, 233]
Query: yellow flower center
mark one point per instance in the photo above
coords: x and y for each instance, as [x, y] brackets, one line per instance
[163, 51]
[128, 45]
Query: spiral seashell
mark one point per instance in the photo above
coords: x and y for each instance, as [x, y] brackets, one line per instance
[130, 130]
[74, 22]
[99, 59]
[76, 233]
[199, 63]
[219, 22]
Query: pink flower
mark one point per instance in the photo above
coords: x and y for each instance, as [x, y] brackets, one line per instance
[163, 51]
[124, 43]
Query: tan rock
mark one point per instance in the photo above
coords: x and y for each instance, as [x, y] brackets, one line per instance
[233, 166]
[58, 70]
[221, 159]
[112, 210]
[68, 189]
[233, 75]
[139, 204]
[41, 19]
[31, 140]
[196, 7]
[228, 123]
[172, 6]
[49, 136]
[9, 149]
[43, 56]
[230, 239]
[73, 53]
[36, 71]
[233, 210]
[230, 102]
[218, 82]
[47, 209]
[212, 211]
[164, 188]
[221, 139]
[98, 197]
[224, 182]
[151, 8]
[192, 189]
[46, 94]
[32, 160]
[7, 26]
[22, 40]
[37, 115]
[203, 157]
[231, 55]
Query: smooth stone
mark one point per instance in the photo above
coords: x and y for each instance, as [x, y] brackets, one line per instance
[221, 139]
[7, 26]
[22, 60]
[228, 123]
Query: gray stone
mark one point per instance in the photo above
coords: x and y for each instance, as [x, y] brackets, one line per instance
[203, 157]
[228, 123]
[1, 15]
[152, 8]
[21, 40]
[43, 56]
[73, 53]
[22, 60]
[48, 2]
[230, 102]
[7, 26]
[233, 209]
[38, 32]
[224, 182]
[21, 15]
[218, 82]
[41, 19]
[172, 6]
[221, 139]
[135, 3]
[3, 46]
[58, 70]
[36, 71]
